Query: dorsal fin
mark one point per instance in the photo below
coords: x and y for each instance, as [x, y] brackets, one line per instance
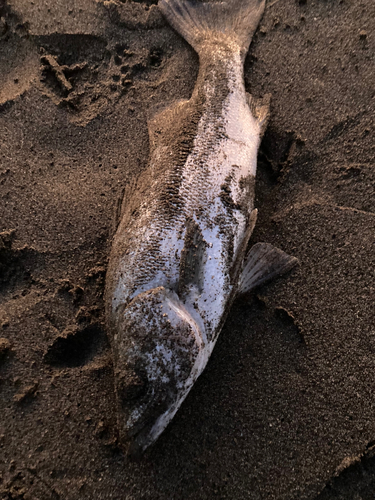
[160, 120]
[123, 202]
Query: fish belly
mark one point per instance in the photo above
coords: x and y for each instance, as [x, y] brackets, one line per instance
[218, 193]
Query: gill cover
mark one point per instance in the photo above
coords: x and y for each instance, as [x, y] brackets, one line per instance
[156, 345]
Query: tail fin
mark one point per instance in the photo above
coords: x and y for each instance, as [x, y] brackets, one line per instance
[226, 21]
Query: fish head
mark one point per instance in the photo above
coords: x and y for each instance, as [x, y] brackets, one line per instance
[157, 349]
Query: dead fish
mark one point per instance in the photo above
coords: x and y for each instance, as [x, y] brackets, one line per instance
[179, 258]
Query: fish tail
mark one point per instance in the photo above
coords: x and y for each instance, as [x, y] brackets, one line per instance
[227, 22]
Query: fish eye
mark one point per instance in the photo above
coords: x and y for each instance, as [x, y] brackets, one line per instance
[131, 386]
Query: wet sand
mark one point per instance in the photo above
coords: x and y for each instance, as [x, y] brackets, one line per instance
[286, 406]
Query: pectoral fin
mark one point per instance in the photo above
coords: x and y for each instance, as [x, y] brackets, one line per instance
[263, 262]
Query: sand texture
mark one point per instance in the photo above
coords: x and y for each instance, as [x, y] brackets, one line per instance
[285, 409]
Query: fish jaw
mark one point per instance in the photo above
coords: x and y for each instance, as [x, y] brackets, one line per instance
[158, 348]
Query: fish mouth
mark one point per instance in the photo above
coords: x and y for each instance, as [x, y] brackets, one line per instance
[142, 436]
[138, 423]
[138, 443]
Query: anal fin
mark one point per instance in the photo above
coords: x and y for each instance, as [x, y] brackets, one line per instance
[260, 109]
[264, 262]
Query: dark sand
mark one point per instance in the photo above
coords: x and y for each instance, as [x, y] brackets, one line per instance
[286, 406]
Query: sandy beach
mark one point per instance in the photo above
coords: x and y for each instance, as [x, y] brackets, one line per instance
[285, 409]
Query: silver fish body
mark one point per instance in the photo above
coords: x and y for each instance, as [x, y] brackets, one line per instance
[179, 250]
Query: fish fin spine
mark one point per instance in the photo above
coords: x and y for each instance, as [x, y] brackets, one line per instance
[264, 262]
[230, 21]
[124, 201]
